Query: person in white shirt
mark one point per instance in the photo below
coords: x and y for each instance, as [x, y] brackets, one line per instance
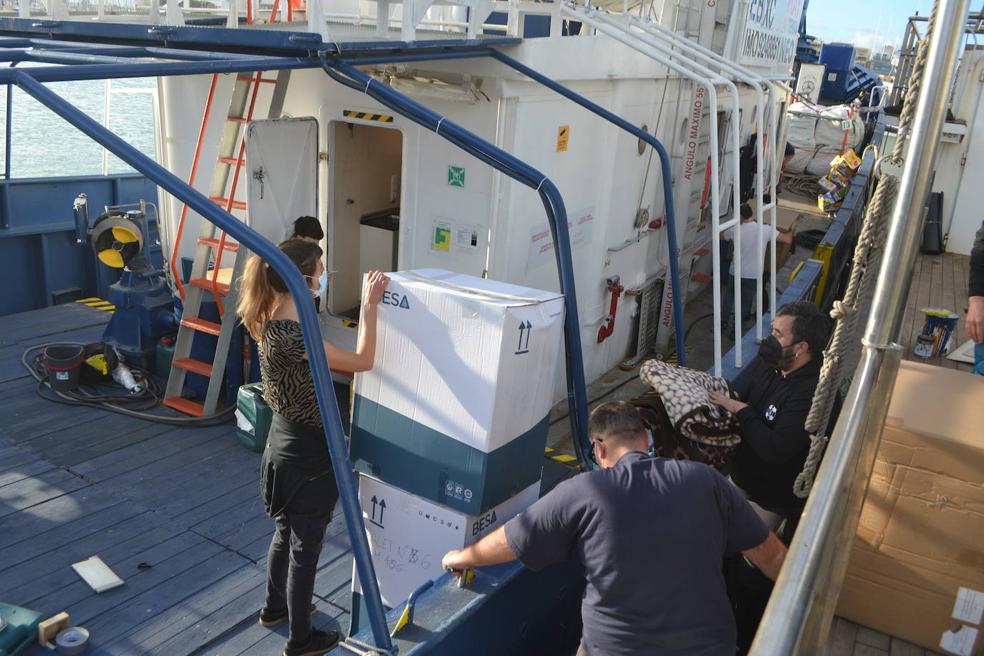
[751, 262]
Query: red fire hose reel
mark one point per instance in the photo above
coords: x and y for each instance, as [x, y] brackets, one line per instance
[608, 324]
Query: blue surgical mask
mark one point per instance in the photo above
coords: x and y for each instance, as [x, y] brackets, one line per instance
[322, 284]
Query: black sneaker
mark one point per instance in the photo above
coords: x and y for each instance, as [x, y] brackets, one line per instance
[317, 643]
[269, 619]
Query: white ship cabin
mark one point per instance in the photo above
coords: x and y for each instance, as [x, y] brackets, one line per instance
[706, 77]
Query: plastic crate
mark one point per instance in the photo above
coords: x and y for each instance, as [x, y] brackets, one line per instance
[253, 417]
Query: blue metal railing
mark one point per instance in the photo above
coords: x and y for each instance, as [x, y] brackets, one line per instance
[664, 165]
[88, 62]
[518, 170]
[291, 276]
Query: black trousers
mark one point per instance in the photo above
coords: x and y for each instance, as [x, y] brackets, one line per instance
[292, 563]
[748, 589]
[292, 560]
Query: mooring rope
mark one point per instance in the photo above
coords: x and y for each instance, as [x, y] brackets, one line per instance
[844, 344]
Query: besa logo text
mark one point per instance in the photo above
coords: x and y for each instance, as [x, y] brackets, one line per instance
[396, 299]
[489, 519]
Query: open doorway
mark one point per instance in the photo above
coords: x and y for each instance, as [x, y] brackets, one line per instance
[365, 171]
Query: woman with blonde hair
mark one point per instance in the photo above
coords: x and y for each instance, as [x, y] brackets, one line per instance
[296, 478]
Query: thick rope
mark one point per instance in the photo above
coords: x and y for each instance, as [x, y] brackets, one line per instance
[844, 346]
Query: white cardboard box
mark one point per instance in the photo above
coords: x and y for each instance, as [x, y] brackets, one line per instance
[408, 535]
[456, 407]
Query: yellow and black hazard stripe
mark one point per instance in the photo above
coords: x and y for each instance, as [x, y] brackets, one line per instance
[367, 116]
[562, 458]
[97, 304]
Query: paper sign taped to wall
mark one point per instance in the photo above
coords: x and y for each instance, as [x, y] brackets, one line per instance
[466, 238]
[441, 236]
[580, 227]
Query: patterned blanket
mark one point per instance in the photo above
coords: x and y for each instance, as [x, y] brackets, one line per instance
[681, 395]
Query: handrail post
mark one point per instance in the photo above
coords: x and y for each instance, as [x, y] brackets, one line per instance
[799, 613]
[176, 246]
[596, 21]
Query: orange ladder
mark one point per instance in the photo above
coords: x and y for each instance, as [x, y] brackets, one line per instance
[207, 274]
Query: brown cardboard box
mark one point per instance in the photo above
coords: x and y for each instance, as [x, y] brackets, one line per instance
[921, 535]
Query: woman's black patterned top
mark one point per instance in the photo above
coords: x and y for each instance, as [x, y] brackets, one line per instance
[287, 384]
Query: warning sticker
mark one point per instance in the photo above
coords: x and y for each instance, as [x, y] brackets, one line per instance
[563, 138]
[969, 606]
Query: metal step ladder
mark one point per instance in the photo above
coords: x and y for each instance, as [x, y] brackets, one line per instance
[207, 274]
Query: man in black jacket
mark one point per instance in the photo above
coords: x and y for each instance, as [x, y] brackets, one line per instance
[774, 442]
[773, 410]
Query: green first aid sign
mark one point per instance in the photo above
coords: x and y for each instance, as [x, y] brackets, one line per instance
[456, 176]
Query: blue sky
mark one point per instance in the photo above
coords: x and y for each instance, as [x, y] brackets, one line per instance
[864, 23]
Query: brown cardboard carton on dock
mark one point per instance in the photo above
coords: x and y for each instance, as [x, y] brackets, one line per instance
[917, 563]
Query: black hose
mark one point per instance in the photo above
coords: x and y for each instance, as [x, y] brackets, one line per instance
[693, 323]
[128, 404]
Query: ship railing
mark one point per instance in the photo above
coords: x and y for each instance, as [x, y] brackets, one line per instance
[467, 17]
[797, 619]
[907, 51]
[766, 161]
[653, 43]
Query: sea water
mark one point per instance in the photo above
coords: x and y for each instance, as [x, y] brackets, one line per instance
[42, 144]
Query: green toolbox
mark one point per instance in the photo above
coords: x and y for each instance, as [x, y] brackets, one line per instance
[20, 629]
[253, 417]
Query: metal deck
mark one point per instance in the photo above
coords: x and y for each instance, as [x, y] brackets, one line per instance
[174, 511]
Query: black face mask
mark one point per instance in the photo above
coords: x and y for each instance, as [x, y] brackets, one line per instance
[774, 354]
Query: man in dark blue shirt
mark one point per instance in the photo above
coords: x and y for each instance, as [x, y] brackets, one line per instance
[651, 534]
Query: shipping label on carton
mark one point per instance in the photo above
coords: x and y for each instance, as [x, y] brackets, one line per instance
[959, 641]
[969, 606]
[408, 536]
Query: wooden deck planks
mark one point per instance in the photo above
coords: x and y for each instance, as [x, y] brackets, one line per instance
[54, 570]
[938, 281]
[76, 482]
[36, 326]
[35, 490]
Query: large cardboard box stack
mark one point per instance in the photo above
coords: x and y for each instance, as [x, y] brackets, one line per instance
[456, 408]
[917, 564]
[408, 536]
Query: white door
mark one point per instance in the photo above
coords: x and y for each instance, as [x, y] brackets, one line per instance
[281, 174]
[966, 218]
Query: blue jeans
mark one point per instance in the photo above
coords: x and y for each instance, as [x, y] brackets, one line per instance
[748, 289]
[979, 359]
